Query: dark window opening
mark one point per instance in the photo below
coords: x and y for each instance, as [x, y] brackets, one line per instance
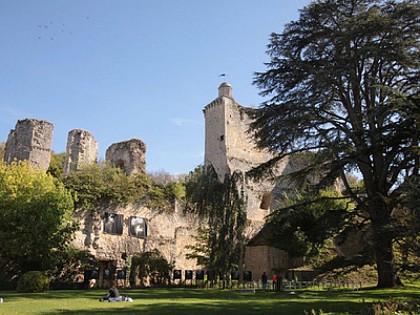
[222, 137]
[113, 223]
[266, 201]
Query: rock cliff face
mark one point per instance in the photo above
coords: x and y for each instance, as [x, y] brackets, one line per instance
[111, 231]
[129, 155]
[30, 140]
[82, 149]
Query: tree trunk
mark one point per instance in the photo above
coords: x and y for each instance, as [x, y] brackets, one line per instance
[384, 256]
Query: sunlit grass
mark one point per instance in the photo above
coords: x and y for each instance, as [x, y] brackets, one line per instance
[201, 301]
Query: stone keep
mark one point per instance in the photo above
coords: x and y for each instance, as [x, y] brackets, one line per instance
[82, 149]
[129, 155]
[230, 148]
[30, 140]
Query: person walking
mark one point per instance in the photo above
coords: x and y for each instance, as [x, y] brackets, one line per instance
[264, 280]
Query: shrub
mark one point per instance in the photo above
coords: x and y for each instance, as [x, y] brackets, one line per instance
[392, 306]
[33, 281]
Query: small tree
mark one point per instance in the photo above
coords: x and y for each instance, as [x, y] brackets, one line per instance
[220, 240]
[150, 266]
[56, 167]
[35, 218]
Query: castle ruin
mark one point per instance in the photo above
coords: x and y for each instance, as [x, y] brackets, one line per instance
[129, 155]
[81, 150]
[230, 148]
[111, 231]
[30, 140]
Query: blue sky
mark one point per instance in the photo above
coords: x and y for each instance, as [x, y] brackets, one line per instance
[125, 69]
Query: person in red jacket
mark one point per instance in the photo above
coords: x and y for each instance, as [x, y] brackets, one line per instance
[275, 280]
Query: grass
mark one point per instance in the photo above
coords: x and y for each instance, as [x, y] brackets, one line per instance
[200, 301]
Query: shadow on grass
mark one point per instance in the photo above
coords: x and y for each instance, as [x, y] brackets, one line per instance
[409, 293]
[221, 307]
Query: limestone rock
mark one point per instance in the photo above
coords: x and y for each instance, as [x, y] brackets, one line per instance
[30, 140]
[130, 156]
[82, 149]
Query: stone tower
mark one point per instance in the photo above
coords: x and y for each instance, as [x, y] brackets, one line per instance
[30, 140]
[229, 148]
[129, 155]
[82, 149]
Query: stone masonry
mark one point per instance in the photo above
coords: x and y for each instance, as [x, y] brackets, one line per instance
[229, 148]
[30, 140]
[169, 233]
[82, 149]
[129, 155]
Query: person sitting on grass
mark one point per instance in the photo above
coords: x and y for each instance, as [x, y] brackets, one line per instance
[114, 296]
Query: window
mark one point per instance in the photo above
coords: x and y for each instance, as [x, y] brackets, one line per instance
[113, 223]
[266, 201]
[138, 227]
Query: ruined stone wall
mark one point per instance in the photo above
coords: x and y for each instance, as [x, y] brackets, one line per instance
[267, 259]
[82, 149]
[30, 140]
[259, 259]
[167, 232]
[129, 155]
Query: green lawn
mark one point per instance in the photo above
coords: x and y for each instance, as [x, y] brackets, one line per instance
[200, 301]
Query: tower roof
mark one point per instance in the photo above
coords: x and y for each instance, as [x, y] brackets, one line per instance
[225, 89]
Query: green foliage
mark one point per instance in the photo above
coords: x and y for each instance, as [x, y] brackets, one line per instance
[152, 266]
[220, 240]
[201, 251]
[343, 82]
[407, 218]
[204, 191]
[72, 263]
[393, 306]
[175, 190]
[307, 221]
[33, 281]
[56, 167]
[35, 219]
[96, 184]
[2, 149]
[99, 184]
